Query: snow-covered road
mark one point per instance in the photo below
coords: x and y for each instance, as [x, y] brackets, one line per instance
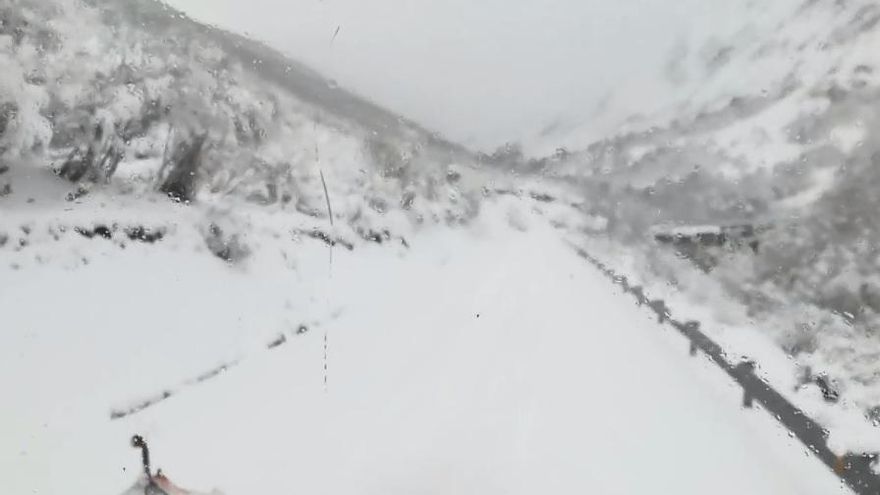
[485, 360]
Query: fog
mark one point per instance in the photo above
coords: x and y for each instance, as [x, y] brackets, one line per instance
[490, 71]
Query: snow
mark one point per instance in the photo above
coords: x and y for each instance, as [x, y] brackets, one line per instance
[848, 137]
[485, 359]
[685, 230]
[695, 295]
[762, 141]
[479, 358]
[495, 72]
[823, 180]
[775, 121]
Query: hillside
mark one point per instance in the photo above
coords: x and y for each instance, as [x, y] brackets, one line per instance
[130, 97]
[771, 128]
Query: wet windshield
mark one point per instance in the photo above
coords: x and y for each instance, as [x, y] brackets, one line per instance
[347, 247]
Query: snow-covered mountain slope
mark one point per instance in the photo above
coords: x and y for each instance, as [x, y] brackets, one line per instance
[476, 362]
[780, 91]
[192, 230]
[743, 93]
[129, 97]
[772, 128]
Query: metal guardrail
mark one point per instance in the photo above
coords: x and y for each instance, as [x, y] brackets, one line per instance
[853, 469]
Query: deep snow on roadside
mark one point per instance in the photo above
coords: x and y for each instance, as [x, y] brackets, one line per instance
[483, 359]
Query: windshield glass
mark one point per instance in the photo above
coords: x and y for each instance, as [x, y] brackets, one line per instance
[457, 247]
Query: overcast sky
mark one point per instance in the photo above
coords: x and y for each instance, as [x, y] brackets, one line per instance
[481, 72]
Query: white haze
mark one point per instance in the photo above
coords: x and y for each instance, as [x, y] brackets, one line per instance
[491, 71]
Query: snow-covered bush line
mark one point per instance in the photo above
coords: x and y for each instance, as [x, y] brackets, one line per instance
[111, 104]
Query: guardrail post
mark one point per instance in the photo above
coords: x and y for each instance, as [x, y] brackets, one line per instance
[746, 370]
[639, 293]
[659, 307]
